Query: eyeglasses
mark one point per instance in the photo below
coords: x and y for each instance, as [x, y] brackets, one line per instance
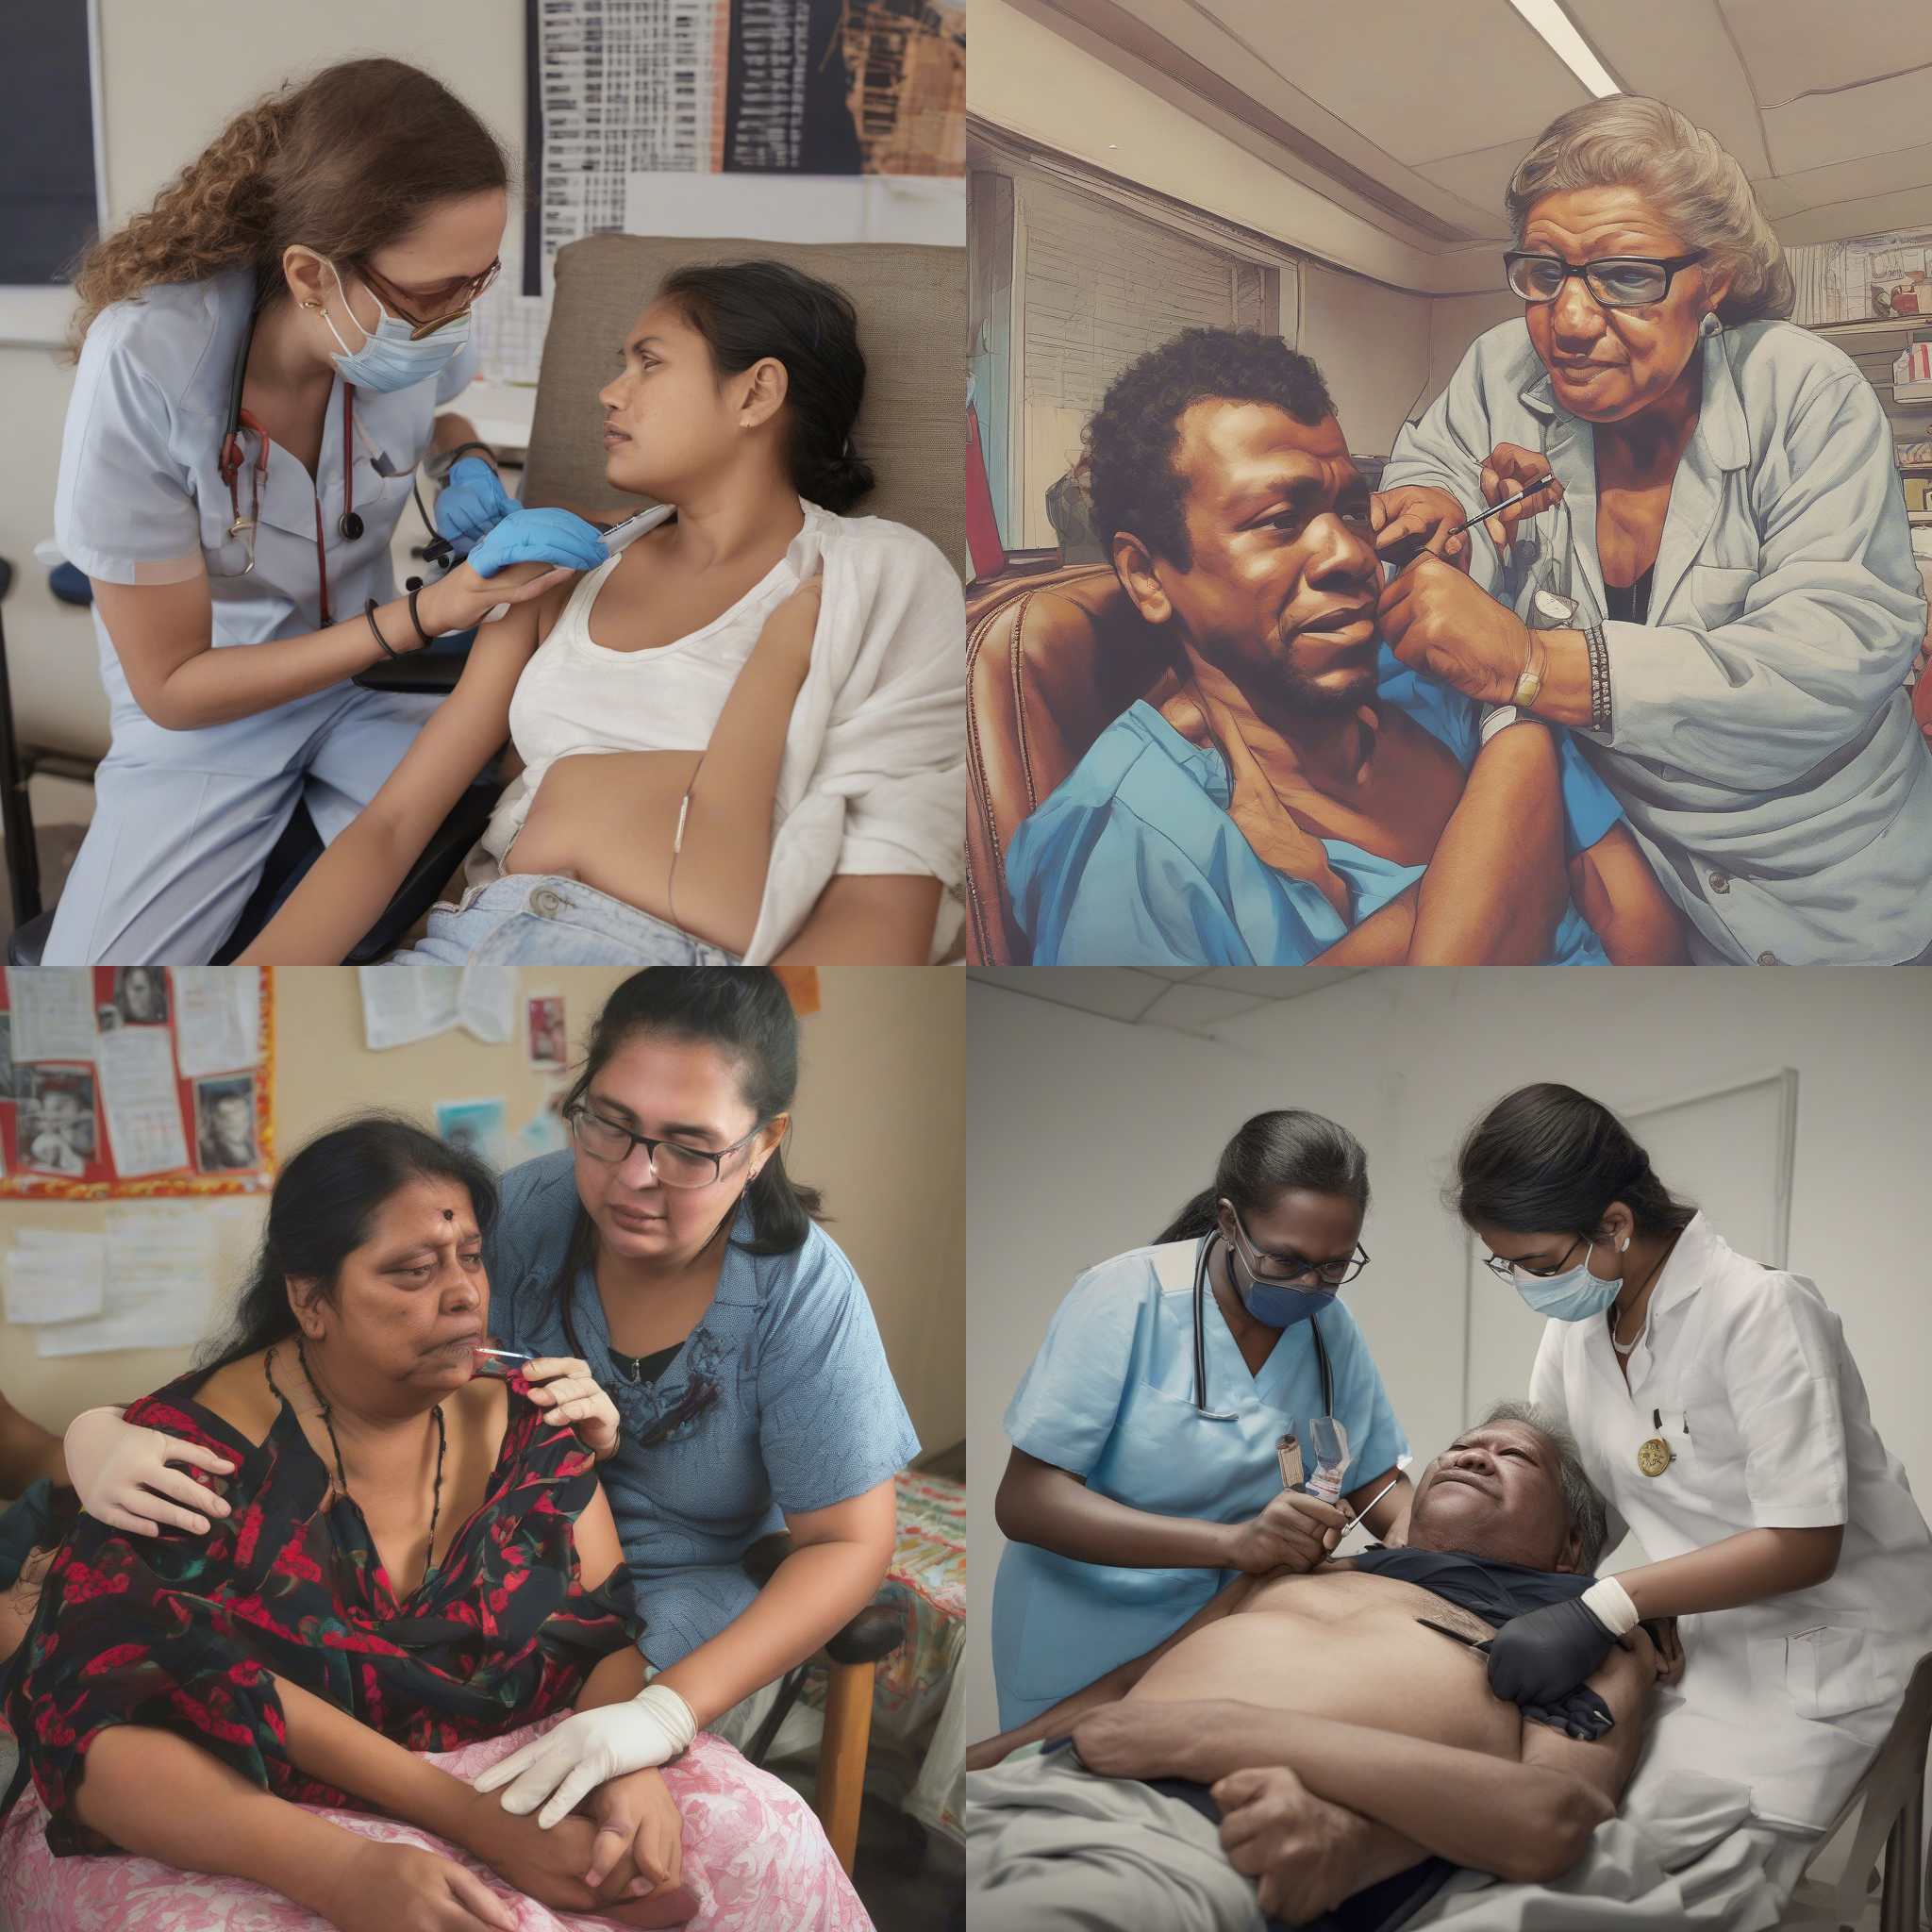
[1269, 1267]
[674, 1165]
[464, 294]
[1617, 281]
[1504, 1269]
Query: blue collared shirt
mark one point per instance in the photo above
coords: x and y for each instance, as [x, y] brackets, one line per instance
[1134, 860]
[1761, 739]
[802, 1410]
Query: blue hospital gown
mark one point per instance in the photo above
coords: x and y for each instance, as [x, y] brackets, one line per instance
[808, 1413]
[1133, 860]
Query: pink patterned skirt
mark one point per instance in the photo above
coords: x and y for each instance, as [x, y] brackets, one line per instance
[755, 1860]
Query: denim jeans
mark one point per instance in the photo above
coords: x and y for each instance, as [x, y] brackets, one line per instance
[527, 919]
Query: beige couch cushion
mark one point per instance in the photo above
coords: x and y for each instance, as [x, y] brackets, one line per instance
[911, 306]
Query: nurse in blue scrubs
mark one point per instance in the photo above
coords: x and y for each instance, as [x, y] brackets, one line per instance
[1145, 1471]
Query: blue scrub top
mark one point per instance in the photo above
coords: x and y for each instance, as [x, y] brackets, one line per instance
[807, 1413]
[1109, 1397]
[141, 499]
[1134, 859]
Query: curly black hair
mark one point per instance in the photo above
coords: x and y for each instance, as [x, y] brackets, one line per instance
[1130, 440]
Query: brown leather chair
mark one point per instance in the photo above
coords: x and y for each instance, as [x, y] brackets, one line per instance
[1052, 660]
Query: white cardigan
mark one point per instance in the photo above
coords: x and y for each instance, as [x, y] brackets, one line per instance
[873, 775]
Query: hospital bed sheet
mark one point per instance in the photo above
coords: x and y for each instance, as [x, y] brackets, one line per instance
[1682, 1852]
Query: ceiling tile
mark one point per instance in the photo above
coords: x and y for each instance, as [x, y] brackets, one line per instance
[1194, 1009]
[1789, 47]
[1427, 80]
[1275, 982]
[1878, 119]
[1901, 170]
[1174, 972]
[1107, 990]
[1479, 178]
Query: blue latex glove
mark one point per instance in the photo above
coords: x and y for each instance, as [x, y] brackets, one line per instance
[555, 537]
[1542, 1655]
[472, 503]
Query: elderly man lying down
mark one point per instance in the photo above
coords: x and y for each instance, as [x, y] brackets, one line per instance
[1354, 1754]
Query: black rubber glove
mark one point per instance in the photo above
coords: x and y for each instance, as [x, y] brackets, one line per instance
[1582, 1715]
[1542, 1655]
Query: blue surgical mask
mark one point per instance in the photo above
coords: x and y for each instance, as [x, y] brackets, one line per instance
[1275, 1304]
[388, 359]
[1575, 1295]
[1280, 1306]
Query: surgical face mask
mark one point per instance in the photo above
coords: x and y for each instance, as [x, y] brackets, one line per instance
[1575, 1295]
[388, 359]
[1273, 1303]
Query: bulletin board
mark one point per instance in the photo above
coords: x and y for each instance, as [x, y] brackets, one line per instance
[135, 1082]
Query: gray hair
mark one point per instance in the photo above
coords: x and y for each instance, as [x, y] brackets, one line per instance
[1692, 181]
[1582, 1503]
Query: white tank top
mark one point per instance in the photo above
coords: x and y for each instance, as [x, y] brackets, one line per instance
[578, 695]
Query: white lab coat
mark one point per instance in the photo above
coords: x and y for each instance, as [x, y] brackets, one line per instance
[1745, 1372]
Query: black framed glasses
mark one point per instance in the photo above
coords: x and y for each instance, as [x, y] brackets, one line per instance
[675, 1164]
[455, 299]
[1265, 1266]
[1617, 281]
[1504, 1269]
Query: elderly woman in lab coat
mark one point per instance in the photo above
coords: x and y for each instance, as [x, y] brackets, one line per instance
[1726, 1424]
[1721, 601]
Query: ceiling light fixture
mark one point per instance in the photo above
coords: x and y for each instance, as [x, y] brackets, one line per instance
[1559, 34]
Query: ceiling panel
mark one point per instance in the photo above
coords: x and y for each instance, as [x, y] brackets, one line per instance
[1878, 119]
[1425, 80]
[1480, 178]
[1111, 991]
[1194, 1007]
[1820, 188]
[1791, 47]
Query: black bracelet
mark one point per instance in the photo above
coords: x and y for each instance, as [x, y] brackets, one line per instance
[463, 449]
[369, 611]
[416, 591]
[1599, 678]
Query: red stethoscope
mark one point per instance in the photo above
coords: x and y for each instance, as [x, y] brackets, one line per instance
[235, 459]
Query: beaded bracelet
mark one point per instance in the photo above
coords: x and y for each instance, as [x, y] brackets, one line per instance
[1599, 678]
[369, 611]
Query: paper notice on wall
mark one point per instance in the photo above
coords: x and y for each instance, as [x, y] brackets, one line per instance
[217, 1018]
[401, 1003]
[53, 1012]
[140, 1100]
[485, 1002]
[55, 1277]
[161, 1269]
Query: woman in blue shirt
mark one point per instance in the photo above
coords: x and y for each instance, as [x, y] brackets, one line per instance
[670, 1253]
[1144, 1465]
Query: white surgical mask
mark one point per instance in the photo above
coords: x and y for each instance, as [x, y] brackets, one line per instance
[1575, 1295]
[389, 359]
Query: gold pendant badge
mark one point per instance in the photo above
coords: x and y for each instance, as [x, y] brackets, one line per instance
[1653, 1457]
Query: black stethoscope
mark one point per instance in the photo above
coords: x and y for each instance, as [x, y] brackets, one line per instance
[1228, 1415]
[349, 525]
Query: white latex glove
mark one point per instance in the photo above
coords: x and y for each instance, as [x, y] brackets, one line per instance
[589, 1749]
[123, 1475]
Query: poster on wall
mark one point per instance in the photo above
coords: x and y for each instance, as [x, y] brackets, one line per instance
[135, 1081]
[773, 120]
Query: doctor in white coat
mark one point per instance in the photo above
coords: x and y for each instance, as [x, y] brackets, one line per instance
[1720, 1414]
[262, 356]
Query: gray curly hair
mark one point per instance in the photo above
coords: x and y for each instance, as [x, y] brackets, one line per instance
[1694, 183]
[1582, 1501]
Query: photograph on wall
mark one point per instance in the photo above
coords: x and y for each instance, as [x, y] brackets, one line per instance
[547, 1036]
[57, 1124]
[224, 1124]
[140, 995]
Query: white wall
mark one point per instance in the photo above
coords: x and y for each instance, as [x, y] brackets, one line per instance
[1084, 1134]
[172, 77]
[1372, 344]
